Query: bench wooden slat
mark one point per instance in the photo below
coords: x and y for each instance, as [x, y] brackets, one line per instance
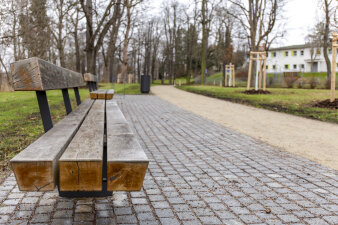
[88, 77]
[110, 94]
[35, 168]
[98, 94]
[101, 94]
[35, 74]
[126, 161]
[80, 165]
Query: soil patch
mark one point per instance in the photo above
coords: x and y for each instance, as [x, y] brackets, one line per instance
[258, 92]
[327, 104]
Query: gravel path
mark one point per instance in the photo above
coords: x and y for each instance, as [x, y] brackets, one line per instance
[314, 140]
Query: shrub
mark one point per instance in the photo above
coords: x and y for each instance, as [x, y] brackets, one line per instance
[328, 83]
[313, 83]
[289, 81]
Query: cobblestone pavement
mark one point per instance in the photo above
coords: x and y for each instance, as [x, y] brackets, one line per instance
[200, 173]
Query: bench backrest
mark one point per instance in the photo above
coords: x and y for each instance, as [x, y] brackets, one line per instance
[91, 81]
[38, 75]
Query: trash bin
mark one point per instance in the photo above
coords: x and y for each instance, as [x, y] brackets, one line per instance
[145, 84]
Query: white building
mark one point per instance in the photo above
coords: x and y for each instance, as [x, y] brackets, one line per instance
[297, 58]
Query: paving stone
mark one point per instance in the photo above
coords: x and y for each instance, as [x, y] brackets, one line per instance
[139, 201]
[22, 214]
[123, 211]
[315, 221]
[6, 209]
[210, 220]
[250, 219]
[62, 221]
[169, 221]
[83, 209]
[102, 207]
[83, 217]
[63, 214]
[145, 216]
[288, 218]
[40, 218]
[65, 205]
[186, 216]
[30, 200]
[164, 213]
[128, 219]
[4, 219]
[104, 213]
[331, 219]
[105, 221]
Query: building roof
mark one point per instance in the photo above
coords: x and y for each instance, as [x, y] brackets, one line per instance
[290, 47]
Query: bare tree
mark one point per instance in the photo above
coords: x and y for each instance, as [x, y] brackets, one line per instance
[130, 6]
[96, 32]
[258, 18]
[328, 10]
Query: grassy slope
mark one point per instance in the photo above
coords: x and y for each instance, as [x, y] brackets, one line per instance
[293, 101]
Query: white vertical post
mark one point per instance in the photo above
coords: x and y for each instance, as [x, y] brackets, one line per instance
[230, 77]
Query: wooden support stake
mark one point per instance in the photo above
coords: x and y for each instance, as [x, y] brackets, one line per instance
[333, 67]
[264, 76]
[260, 75]
[249, 74]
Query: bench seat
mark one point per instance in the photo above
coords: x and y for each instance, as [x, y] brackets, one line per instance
[102, 94]
[126, 161]
[80, 165]
[36, 167]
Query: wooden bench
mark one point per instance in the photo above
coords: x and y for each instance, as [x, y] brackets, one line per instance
[91, 81]
[91, 152]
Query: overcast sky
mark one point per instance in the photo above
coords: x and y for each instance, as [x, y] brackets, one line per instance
[300, 16]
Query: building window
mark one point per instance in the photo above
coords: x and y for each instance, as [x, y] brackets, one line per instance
[286, 66]
[274, 67]
[274, 54]
[302, 66]
[294, 53]
[302, 52]
[318, 51]
[295, 66]
[286, 53]
[267, 67]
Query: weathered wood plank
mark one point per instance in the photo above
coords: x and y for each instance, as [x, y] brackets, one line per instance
[88, 77]
[80, 166]
[126, 161]
[98, 94]
[101, 94]
[36, 167]
[93, 95]
[35, 74]
[110, 94]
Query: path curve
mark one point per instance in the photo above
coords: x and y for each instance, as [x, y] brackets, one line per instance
[314, 140]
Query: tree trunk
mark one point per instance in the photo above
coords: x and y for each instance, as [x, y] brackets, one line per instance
[326, 38]
[204, 36]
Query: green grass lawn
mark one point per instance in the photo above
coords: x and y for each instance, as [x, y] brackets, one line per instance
[292, 101]
[20, 121]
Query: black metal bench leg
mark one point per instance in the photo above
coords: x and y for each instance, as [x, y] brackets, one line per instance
[44, 110]
[89, 87]
[66, 101]
[77, 95]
